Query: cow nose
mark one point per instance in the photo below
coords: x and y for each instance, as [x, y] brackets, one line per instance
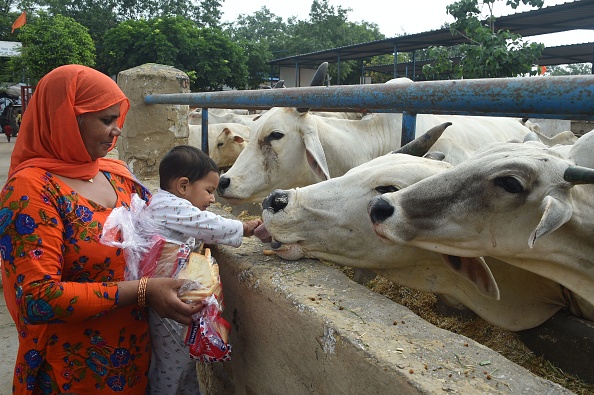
[276, 201]
[379, 210]
[223, 183]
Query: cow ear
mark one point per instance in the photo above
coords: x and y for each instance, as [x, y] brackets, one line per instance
[581, 151]
[238, 139]
[315, 156]
[556, 213]
[476, 271]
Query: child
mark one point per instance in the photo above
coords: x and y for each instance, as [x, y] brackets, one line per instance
[8, 131]
[188, 180]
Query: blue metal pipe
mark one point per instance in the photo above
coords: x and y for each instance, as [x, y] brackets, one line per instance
[556, 97]
[562, 97]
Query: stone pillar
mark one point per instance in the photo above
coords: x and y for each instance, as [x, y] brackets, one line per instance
[151, 130]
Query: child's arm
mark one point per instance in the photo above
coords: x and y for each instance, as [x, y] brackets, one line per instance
[204, 226]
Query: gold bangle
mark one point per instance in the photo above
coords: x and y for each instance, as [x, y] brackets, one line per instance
[142, 291]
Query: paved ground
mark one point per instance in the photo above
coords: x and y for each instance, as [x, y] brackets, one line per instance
[8, 335]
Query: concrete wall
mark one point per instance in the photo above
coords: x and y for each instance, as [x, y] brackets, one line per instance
[288, 74]
[551, 127]
[305, 328]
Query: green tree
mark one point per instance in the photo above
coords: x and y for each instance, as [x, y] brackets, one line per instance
[207, 55]
[571, 69]
[328, 27]
[258, 55]
[101, 15]
[264, 35]
[52, 41]
[488, 53]
[262, 26]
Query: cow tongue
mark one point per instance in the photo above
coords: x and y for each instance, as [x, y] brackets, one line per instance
[262, 233]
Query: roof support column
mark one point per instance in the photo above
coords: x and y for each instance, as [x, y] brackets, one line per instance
[395, 61]
[414, 64]
[338, 70]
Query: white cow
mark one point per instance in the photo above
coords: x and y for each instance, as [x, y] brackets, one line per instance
[521, 203]
[290, 148]
[566, 137]
[339, 114]
[329, 221]
[218, 115]
[225, 141]
[228, 146]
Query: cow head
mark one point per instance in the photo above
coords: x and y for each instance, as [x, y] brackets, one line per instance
[284, 151]
[497, 203]
[329, 221]
[228, 145]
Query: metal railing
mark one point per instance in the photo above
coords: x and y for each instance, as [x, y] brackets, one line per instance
[555, 97]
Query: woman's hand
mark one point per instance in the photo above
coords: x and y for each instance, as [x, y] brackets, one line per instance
[161, 295]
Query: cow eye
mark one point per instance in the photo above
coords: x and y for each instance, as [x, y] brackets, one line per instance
[386, 189]
[275, 136]
[219, 145]
[510, 184]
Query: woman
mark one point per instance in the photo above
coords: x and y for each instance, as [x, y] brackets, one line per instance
[82, 328]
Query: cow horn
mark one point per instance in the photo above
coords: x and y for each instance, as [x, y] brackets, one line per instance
[421, 145]
[579, 175]
[320, 76]
[317, 80]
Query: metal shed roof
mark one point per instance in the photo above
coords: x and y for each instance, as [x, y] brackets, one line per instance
[578, 14]
[551, 56]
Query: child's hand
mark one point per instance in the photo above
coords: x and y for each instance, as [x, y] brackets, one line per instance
[250, 226]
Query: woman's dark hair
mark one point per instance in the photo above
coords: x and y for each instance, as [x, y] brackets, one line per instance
[184, 161]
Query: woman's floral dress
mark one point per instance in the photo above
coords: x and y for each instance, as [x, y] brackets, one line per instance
[60, 288]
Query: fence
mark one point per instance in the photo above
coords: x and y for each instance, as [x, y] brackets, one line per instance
[558, 97]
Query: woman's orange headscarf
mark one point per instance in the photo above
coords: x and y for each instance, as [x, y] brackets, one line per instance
[49, 136]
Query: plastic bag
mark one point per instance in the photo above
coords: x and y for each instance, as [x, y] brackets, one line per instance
[150, 254]
[208, 336]
[147, 253]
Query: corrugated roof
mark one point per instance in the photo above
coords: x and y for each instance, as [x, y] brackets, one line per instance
[578, 14]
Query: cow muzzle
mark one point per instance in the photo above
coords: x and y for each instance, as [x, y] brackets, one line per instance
[379, 210]
[276, 201]
[224, 183]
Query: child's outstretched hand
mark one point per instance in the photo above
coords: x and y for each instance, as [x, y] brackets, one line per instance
[250, 226]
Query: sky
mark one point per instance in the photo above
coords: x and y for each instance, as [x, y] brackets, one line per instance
[397, 18]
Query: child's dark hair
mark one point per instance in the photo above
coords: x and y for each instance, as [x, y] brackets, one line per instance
[184, 161]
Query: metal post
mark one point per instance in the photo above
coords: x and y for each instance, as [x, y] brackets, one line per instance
[409, 127]
[395, 61]
[204, 137]
[338, 68]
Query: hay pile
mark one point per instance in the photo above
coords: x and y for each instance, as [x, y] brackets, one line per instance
[506, 343]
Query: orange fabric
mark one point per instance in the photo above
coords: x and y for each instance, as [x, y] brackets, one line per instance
[50, 120]
[20, 21]
[60, 288]
[60, 281]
